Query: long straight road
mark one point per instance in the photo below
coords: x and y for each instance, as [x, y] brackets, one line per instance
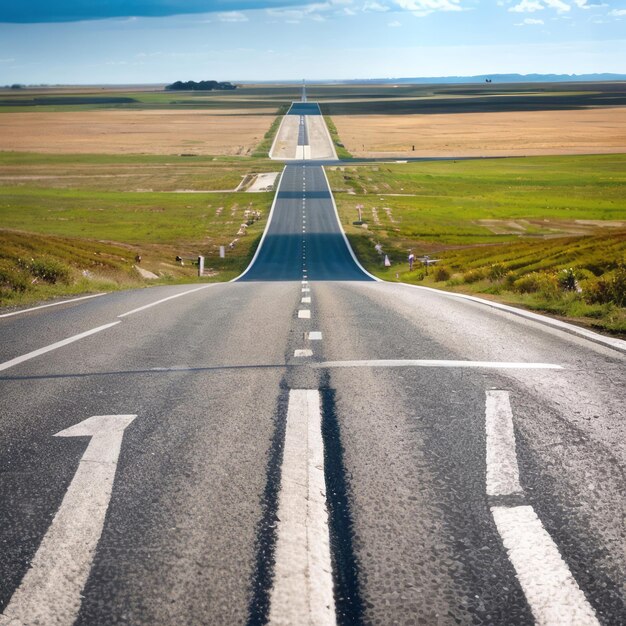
[307, 445]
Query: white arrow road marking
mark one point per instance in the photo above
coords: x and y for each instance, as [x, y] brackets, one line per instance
[553, 595]
[303, 585]
[50, 591]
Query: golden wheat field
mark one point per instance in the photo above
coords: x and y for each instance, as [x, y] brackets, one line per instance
[215, 132]
[519, 133]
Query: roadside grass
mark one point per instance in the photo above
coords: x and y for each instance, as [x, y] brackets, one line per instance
[263, 149]
[36, 267]
[40, 267]
[64, 241]
[342, 153]
[546, 233]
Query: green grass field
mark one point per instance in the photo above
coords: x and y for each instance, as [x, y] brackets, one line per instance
[84, 219]
[509, 229]
[506, 228]
[134, 173]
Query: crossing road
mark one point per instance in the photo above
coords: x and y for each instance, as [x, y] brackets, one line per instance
[308, 445]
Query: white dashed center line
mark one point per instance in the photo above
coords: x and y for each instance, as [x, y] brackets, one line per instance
[315, 335]
[303, 353]
[304, 314]
[502, 472]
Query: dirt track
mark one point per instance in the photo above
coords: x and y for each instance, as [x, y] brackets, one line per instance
[601, 130]
[142, 132]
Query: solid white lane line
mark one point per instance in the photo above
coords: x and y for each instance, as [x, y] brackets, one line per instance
[314, 335]
[304, 314]
[432, 363]
[50, 592]
[502, 471]
[178, 295]
[303, 353]
[552, 593]
[306, 300]
[53, 346]
[303, 587]
[45, 306]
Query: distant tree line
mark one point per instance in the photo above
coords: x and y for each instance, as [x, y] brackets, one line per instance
[203, 85]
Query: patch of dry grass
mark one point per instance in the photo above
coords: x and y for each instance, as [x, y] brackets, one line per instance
[587, 131]
[228, 132]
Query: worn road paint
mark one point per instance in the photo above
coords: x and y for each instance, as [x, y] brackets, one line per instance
[429, 363]
[552, 593]
[502, 471]
[303, 585]
[303, 353]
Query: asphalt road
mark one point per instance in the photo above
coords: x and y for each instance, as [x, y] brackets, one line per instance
[308, 445]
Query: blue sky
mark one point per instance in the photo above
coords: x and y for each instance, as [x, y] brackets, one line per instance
[156, 41]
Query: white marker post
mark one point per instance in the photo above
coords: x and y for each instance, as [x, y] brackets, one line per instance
[200, 265]
[50, 592]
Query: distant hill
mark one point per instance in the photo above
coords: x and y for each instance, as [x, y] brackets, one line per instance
[497, 78]
[203, 85]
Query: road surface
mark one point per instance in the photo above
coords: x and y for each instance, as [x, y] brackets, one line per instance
[307, 445]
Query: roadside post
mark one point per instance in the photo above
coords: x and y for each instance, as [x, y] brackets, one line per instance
[222, 252]
[200, 265]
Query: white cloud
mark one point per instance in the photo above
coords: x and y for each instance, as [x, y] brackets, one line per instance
[232, 16]
[372, 5]
[313, 11]
[617, 12]
[529, 21]
[7, 60]
[527, 6]
[420, 8]
[559, 5]
[394, 24]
